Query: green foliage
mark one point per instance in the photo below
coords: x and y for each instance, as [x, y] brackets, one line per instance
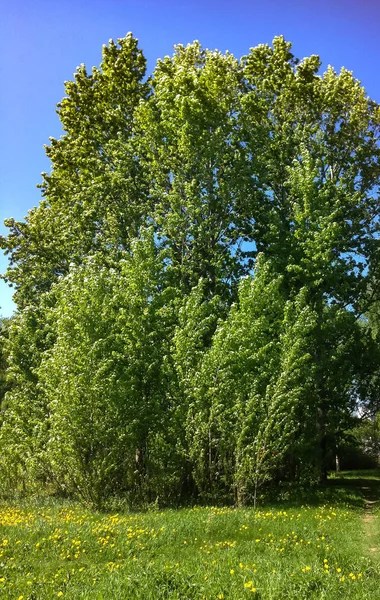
[198, 178]
[4, 384]
[23, 432]
[103, 377]
[198, 309]
[93, 196]
[367, 434]
[252, 383]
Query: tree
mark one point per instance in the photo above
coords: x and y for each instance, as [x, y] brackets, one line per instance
[203, 194]
[93, 198]
[102, 379]
[250, 389]
[23, 431]
[251, 303]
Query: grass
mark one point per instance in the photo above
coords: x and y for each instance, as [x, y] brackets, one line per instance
[322, 550]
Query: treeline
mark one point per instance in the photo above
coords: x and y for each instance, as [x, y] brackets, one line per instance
[197, 289]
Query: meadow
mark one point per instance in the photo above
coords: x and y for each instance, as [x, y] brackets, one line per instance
[320, 546]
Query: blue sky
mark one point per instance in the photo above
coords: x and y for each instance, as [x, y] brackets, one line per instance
[43, 41]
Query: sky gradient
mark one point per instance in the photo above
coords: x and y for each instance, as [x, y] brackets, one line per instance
[43, 41]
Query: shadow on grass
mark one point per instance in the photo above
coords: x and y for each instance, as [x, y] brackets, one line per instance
[365, 483]
[356, 489]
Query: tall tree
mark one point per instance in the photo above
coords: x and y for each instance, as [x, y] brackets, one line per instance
[223, 160]
[201, 190]
[102, 379]
[93, 198]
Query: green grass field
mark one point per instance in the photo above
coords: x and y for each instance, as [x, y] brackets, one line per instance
[326, 549]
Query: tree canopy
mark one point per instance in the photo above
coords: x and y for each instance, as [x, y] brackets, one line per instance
[196, 291]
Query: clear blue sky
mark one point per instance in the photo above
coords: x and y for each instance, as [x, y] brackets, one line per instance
[43, 41]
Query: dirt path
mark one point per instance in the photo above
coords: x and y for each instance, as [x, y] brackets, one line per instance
[367, 484]
[371, 519]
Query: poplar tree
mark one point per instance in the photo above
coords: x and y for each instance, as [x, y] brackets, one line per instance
[250, 304]
[93, 196]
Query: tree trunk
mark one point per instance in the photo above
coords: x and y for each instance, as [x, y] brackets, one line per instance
[337, 463]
